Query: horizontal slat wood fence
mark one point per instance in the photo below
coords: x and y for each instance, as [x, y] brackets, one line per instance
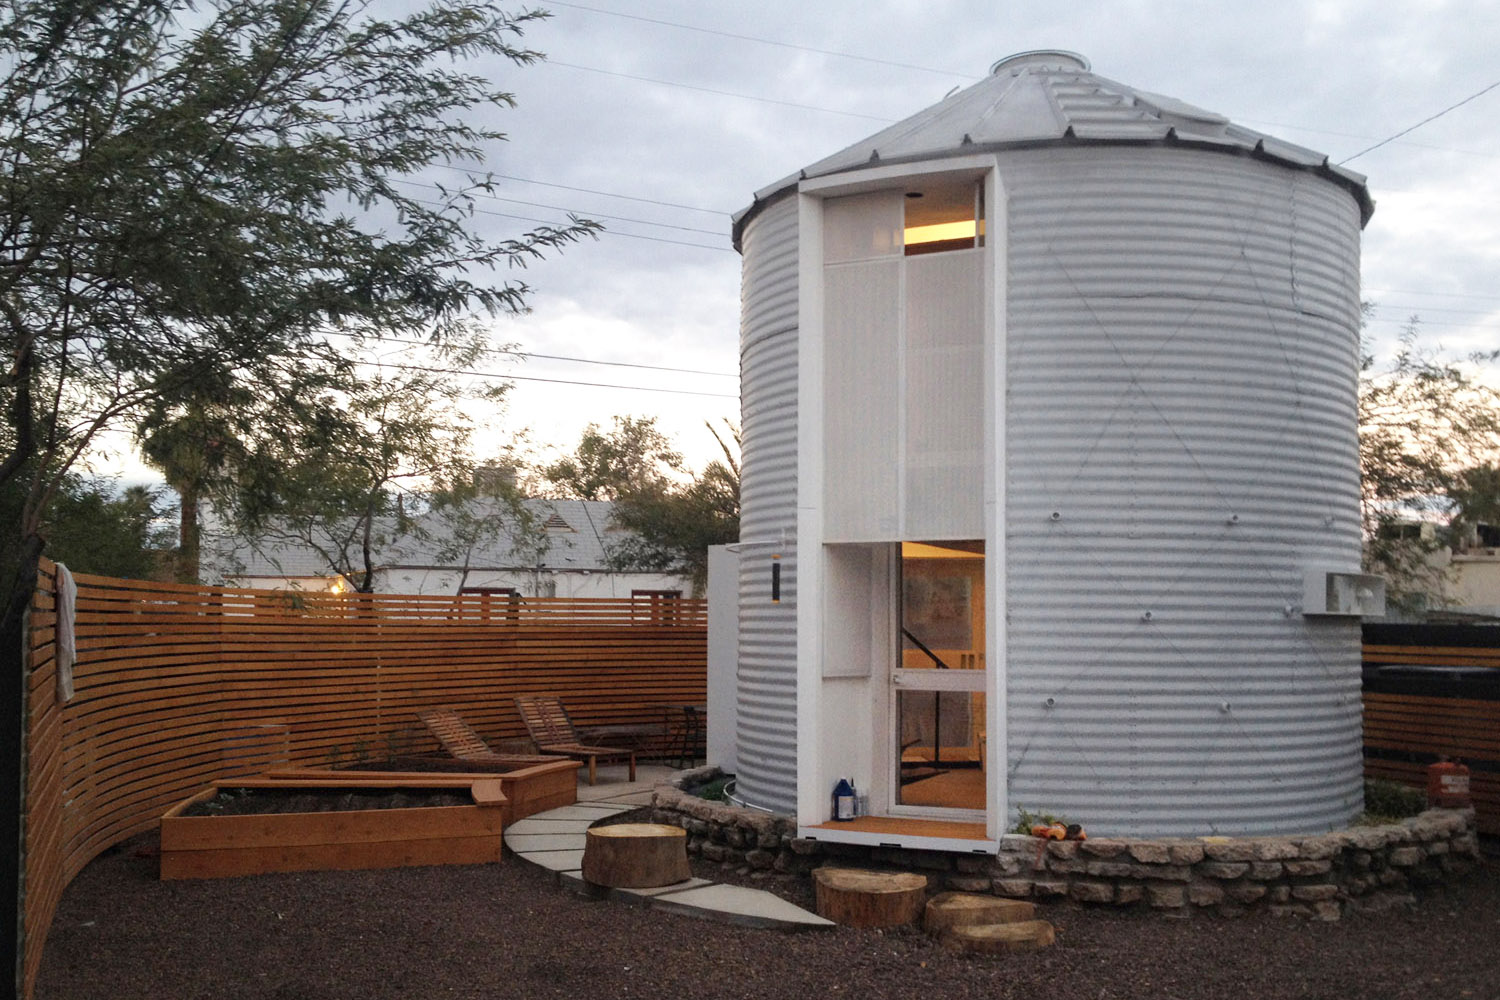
[1432, 692]
[179, 686]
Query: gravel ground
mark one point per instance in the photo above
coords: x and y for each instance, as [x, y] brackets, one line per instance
[508, 930]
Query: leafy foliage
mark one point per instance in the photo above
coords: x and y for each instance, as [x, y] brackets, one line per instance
[200, 195]
[608, 464]
[1424, 420]
[94, 526]
[1390, 801]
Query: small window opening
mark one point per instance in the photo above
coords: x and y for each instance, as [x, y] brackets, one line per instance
[944, 217]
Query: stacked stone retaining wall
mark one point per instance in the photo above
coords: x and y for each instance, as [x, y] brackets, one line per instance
[1317, 876]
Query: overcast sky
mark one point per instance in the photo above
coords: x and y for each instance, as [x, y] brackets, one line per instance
[660, 118]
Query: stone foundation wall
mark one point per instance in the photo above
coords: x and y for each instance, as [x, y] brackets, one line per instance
[1320, 876]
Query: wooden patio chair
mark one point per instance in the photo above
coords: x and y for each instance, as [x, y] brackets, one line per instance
[463, 743]
[552, 732]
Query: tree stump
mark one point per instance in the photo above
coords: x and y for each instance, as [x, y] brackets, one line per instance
[858, 898]
[635, 855]
[964, 909]
[996, 939]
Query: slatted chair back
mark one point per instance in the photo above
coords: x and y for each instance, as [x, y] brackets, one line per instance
[552, 732]
[546, 720]
[455, 735]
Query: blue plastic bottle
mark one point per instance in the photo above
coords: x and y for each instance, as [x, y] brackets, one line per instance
[843, 800]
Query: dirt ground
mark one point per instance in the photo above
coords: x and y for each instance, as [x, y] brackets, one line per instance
[508, 930]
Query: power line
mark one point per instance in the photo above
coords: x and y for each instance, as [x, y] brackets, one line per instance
[1446, 295]
[766, 41]
[533, 378]
[721, 93]
[606, 232]
[584, 190]
[1424, 121]
[561, 208]
[549, 357]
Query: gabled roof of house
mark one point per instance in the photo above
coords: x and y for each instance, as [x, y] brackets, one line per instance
[577, 536]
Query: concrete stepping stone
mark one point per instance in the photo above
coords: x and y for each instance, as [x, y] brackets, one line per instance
[737, 904]
[533, 824]
[556, 861]
[526, 843]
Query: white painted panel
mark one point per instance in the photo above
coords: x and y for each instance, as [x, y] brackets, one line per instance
[723, 638]
[944, 405]
[849, 609]
[859, 227]
[861, 330]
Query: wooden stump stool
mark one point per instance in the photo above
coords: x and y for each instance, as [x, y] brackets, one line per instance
[857, 898]
[635, 855]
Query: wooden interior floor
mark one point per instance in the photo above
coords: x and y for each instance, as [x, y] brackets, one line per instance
[960, 789]
[899, 825]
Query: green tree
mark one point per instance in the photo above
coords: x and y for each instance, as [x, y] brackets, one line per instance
[205, 191]
[607, 464]
[356, 479]
[195, 189]
[672, 524]
[1424, 419]
[94, 526]
[470, 516]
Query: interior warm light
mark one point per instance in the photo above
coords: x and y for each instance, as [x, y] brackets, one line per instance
[940, 231]
[336, 587]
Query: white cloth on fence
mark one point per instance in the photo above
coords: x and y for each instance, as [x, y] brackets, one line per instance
[67, 631]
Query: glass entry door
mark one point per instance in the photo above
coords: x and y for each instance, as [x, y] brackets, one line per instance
[938, 680]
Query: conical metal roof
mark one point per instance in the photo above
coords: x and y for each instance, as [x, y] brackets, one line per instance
[1052, 96]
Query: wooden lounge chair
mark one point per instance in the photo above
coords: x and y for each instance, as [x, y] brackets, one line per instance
[460, 740]
[553, 732]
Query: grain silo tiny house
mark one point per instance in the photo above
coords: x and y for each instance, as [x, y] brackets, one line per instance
[1050, 474]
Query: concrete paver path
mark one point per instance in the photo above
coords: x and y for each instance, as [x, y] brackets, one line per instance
[554, 840]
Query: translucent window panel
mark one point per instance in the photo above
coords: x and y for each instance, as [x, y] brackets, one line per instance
[942, 749]
[944, 431]
[861, 415]
[862, 226]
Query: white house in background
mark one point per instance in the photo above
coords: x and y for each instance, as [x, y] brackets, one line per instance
[1050, 481]
[1470, 582]
[570, 558]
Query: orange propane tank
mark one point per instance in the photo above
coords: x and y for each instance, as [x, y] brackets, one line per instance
[1448, 785]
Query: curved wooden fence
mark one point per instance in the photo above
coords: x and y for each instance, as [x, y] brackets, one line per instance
[1433, 692]
[176, 686]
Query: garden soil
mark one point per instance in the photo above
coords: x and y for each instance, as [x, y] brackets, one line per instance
[509, 930]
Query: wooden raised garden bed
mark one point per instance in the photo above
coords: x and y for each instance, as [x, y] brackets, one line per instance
[389, 825]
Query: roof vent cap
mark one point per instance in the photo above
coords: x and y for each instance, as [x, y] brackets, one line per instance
[1041, 59]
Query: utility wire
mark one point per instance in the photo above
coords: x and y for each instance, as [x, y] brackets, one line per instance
[721, 93]
[533, 378]
[560, 208]
[606, 232]
[549, 357]
[1424, 121]
[584, 190]
[765, 41]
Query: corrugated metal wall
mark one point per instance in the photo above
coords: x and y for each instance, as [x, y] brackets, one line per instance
[1182, 365]
[767, 673]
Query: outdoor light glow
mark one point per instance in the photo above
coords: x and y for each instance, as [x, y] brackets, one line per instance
[336, 587]
[940, 231]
